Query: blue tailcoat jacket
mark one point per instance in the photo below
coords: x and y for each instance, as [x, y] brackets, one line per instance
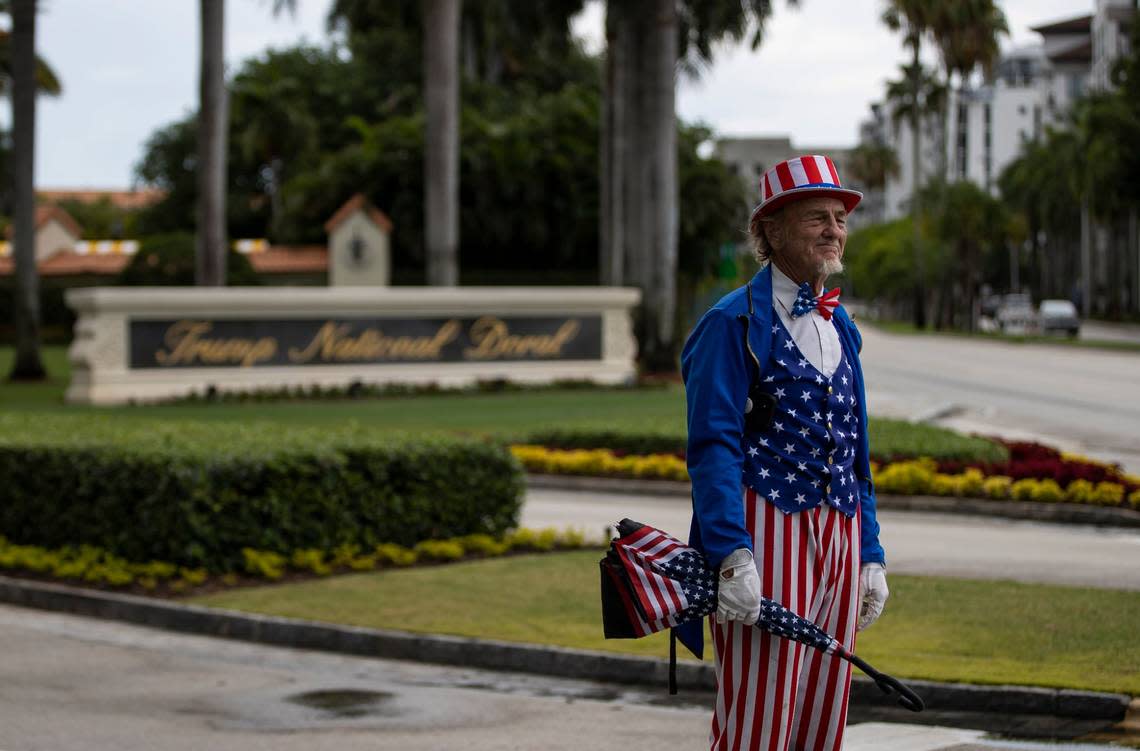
[718, 368]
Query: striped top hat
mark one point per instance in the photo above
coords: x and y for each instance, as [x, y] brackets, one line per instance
[803, 177]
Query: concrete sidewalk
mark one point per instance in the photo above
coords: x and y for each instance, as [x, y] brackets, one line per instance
[1033, 711]
[936, 543]
[89, 685]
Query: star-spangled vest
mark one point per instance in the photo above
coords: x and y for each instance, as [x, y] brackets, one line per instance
[807, 456]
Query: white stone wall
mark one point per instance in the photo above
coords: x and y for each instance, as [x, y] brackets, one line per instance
[100, 352]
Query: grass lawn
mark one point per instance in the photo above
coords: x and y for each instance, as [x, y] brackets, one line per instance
[509, 414]
[933, 628]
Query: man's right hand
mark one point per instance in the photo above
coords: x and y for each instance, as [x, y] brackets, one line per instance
[738, 592]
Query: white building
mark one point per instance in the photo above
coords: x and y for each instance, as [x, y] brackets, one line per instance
[1032, 88]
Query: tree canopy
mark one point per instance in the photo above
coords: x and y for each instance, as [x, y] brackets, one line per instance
[312, 126]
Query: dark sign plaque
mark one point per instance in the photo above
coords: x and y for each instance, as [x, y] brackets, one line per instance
[227, 343]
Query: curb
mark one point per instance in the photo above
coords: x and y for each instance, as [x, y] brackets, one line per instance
[509, 656]
[1063, 513]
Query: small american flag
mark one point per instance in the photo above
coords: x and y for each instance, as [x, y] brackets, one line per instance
[671, 581]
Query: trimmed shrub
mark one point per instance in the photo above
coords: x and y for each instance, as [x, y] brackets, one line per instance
[906, 478]
[1108, 494]
[439, 550]
[196, 494]
[1048, 491]
[481, 545]
[1023, 490]
[395, 554]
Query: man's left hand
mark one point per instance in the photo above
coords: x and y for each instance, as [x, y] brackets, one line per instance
[873, 593]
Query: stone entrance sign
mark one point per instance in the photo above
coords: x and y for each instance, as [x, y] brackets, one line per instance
[146, 344]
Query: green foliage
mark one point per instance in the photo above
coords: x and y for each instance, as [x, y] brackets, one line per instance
[439, 550]
[879, 263]
[169, 260]
[529, 130]
[395, 554]
[530, 540]
[622, 441]
[310, 560]
[482, 545]
[101, 220]
[196, 494]
[263, 563]
[890, 439]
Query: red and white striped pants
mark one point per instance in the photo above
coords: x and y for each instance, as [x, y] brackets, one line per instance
[774, 694]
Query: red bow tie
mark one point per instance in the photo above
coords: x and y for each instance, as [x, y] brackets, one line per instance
[825, 304]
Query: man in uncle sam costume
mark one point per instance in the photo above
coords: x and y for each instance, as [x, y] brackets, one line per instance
[783, 505]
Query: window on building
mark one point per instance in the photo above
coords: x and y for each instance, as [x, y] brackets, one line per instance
[1036, 121]
[758, 168]
[733, 168]
[1076, 86]
[962, 144]
[988, 144]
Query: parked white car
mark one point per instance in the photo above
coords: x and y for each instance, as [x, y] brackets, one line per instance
[1016, 316]
[1058, 316]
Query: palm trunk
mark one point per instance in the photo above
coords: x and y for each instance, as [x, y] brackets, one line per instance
[26, 315]
[441, 160]
[1134, 244]
[213, 118]
[638, 228]
[915, 196]
[1086, 259]
[614, 148]
[662, 185]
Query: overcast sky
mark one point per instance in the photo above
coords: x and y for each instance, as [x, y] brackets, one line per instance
[130, 66]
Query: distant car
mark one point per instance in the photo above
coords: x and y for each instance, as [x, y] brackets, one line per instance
[1058, 316]
[1015, 315]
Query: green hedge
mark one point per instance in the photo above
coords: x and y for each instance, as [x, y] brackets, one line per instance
[195, 494]
[890, 439]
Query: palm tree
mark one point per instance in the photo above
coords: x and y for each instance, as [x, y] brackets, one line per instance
[966, 33]
[441, 140]
[213, 119]
[645, 41]
[873, 165]
[274, 131]
[27, 364]
[914, 19]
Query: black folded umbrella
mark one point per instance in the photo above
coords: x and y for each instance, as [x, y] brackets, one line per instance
[652, 581]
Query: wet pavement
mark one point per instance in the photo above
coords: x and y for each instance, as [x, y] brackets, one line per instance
[70, 683]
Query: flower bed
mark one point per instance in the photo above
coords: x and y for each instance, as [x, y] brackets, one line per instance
[92, 566]
[1063, 478]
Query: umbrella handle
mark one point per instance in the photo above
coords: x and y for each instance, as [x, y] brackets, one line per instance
[888, 684]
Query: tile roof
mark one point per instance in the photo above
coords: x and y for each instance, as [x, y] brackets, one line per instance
[120, 199]
[277, 259]
[285, 259]
[358, 201]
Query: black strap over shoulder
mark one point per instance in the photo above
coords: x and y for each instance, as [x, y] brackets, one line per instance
[760, 408]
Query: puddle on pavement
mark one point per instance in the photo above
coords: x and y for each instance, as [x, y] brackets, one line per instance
[345, 703]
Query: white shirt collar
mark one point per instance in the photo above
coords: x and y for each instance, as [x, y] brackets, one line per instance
[783, 288]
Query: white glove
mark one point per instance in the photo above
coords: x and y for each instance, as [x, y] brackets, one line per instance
[873, 593]
[738, 589]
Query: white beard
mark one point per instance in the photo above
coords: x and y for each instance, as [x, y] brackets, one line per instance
[831, 266]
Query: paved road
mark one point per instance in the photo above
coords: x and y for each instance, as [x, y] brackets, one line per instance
[916, 542]
[1079, 399]
[1101, 331]
[74, 684]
